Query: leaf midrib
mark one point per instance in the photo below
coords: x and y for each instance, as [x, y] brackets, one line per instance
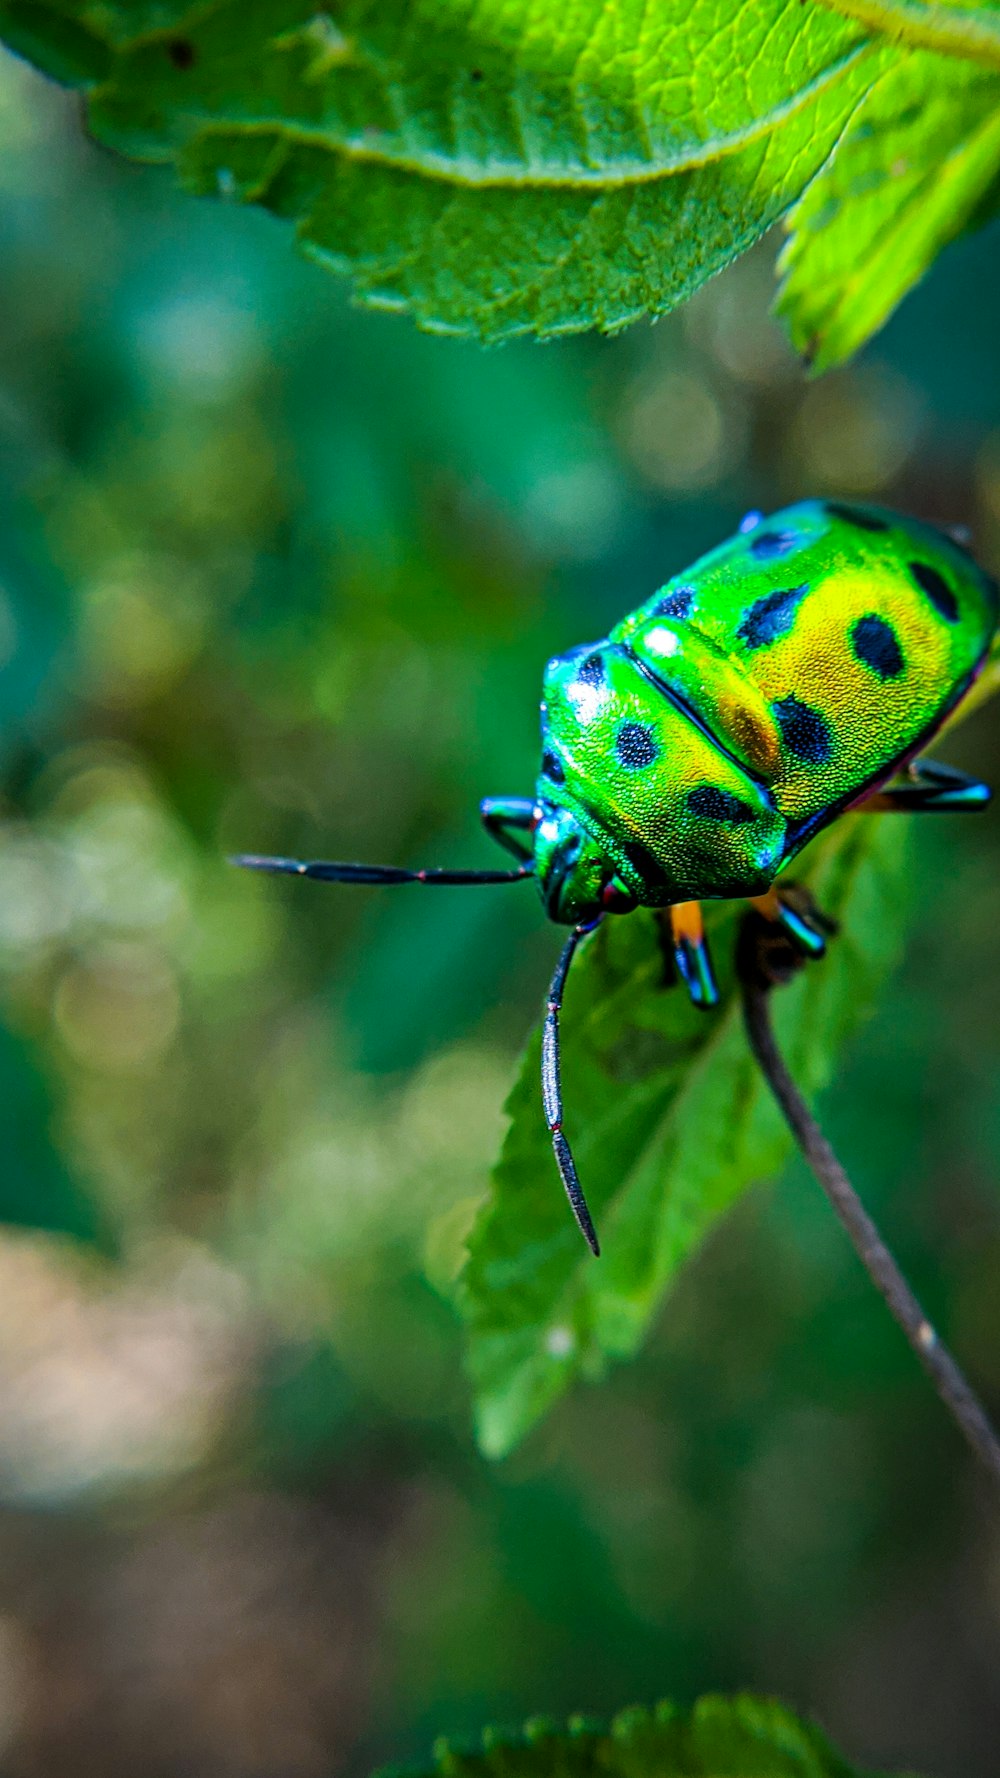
[502, 174]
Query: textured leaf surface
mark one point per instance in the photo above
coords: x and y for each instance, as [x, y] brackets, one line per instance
[507, 89]
[915, 163]
[494, 168]
[670, 1123]
[739, 1737]
[509, 167]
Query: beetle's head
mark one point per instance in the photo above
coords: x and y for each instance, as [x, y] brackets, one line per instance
[576, 880]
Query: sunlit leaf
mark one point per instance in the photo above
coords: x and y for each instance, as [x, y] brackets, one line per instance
[513, 167]
[915, 163]
[738, 1737]
[670, 1123]
[493, 169]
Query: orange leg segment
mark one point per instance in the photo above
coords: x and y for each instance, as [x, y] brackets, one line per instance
[692, 955]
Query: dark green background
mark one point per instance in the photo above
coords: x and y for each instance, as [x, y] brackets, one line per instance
[277, 574]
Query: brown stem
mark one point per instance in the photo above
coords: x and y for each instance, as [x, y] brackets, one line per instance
[958, 1397]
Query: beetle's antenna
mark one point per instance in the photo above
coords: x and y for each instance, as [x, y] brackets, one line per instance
[323, 871]
[552, 1090]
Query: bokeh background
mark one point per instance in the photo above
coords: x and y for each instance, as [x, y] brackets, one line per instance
[280, 575]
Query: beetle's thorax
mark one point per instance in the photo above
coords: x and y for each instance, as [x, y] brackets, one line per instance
[638, 795]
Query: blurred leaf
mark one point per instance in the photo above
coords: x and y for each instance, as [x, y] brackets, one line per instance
[493, 169]
[738, 1737]
[36, 1191]
[35, 626]
[670, 1122]
[912, 170]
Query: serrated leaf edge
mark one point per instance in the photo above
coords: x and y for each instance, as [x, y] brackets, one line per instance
[629, 1722]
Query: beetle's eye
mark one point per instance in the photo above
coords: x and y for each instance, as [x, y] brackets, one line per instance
[616, 899]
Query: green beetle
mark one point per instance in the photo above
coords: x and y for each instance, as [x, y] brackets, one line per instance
[791, 674]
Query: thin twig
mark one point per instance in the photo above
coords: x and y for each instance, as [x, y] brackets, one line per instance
[954, 1390]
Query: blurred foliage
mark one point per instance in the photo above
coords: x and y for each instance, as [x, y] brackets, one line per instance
[726, 1737]
[506, 168]
[36, 1190]
[304, 566]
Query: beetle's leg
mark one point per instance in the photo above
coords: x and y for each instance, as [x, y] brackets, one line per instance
[509, 820]
[803, 923]
[692, 955]
[931, 787]
[552, 1090]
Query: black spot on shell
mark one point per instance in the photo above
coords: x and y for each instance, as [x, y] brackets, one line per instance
[876, 644]
[770, 617]
[853, 515]
[181, 52]
[714, 804]
[640, 858]
[592, 670]
[635, 745]
[937, 589]
[803, 730]
[765, 545]
[552, 768]
[675, 604]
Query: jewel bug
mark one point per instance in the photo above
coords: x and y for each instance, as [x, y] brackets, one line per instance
[795, 672]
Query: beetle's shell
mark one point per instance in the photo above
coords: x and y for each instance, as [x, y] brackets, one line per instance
[789, 672]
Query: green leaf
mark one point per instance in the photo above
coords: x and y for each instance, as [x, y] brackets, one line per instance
[498, 167]
[738, 1737]
[670, 1123]
[952, 27]
[494, 167]
[913, 169]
